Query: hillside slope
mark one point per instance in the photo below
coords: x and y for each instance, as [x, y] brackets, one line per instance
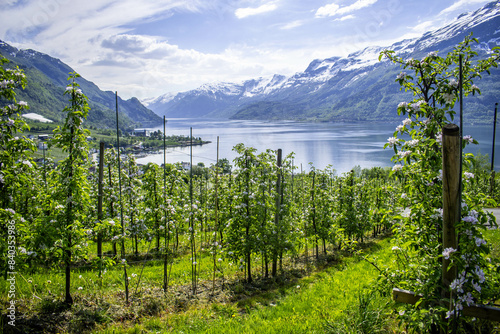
[47, 79]
[354, 88]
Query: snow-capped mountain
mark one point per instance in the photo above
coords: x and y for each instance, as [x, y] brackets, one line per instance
[352, 88]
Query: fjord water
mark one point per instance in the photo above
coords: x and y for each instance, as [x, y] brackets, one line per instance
[342, 145]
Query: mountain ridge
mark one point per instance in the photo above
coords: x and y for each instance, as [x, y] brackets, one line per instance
[353, 88]
[47, 79]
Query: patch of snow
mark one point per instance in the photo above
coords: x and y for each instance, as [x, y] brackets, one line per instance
[36, 117]
[356, 78]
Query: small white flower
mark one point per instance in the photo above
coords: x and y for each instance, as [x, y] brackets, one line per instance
[447, 252]
[404, 154]
[412, 143]
[480, 242]
[401, 76]
[453, 83]
[448, 98]
[469, 139]
[22, 103]
[403, 105]
[468, 175]
[402, 312]
[470, 219]
[392, 141]
[396, 168]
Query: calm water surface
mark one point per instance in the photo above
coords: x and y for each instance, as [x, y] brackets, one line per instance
[342, 145]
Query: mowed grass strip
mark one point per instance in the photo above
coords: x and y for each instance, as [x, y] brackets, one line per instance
[312, 306]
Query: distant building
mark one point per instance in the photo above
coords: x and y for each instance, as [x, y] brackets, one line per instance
[186, 165]
[141, 132]
[43, 137]
[42, 145]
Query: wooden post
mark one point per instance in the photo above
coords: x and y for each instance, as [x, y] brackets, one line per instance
[99, 198]
[451, 196]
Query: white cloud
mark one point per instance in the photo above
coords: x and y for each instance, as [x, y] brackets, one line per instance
[423, 27]
[249, 11]
[328, 10]
[459, 5]
[292, 25]
[334, 9]
[347, 17]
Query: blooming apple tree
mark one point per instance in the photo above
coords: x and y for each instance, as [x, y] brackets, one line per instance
[435, 82]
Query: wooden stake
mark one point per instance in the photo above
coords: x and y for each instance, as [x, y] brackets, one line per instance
[277, 214]
[99, 200]
[451, 197]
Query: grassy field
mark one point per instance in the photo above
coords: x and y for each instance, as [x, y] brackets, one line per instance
[107, 136]
[332, 296]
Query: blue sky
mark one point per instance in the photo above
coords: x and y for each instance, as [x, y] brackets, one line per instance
[148, 48]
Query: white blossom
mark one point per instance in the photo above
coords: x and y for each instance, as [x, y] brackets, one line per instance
[468, 175]
[480, 242]
[453, 83]
[403, 105]
[469, 139]
[404, 154]
[396, 168]
[448, 98]
[412, 143]
[392, 141]
[447, 252]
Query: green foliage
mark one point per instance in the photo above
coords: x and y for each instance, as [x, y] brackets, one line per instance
[434, 83]
[71, 184]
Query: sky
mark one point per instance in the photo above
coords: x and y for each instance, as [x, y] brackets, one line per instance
[149, 48]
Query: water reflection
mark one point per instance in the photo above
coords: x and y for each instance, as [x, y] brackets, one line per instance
[341, 145]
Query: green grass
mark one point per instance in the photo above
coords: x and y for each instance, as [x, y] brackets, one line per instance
[325, 301]
[336, 298]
